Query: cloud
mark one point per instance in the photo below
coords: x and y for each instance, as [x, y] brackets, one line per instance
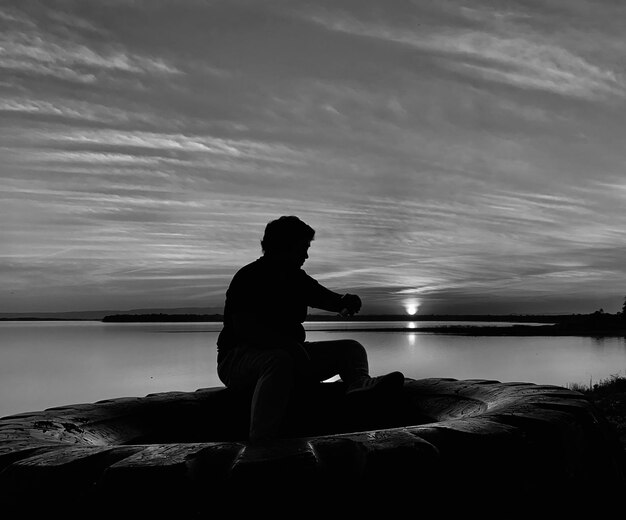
[26, 45]
[34, 54]
[443, 151]
[503, 53]
[204, 144]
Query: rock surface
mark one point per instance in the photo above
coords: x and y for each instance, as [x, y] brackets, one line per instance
[458, 443]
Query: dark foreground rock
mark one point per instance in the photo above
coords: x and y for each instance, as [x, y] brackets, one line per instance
[444, 445]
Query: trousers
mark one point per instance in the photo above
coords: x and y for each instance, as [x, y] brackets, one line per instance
[271, 375]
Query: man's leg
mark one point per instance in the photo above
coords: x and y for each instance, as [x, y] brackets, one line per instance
[348, 358]
[269, 374]
[344, 357]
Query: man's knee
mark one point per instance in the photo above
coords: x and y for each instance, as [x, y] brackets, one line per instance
[353, 347]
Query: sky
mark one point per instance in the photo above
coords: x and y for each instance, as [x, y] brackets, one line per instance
[452, 156]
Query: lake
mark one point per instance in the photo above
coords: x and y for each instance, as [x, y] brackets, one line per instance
[45, 364]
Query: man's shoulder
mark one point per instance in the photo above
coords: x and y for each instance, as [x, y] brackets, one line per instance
[306, 276]
[261, 267]
[252, 269]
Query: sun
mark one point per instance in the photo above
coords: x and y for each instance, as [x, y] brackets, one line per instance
[411, 307]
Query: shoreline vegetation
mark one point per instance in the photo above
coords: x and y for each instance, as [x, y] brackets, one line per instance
[609, 396]
[215, 317]
[596, 324]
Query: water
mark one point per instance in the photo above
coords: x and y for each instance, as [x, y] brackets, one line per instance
[45, 364]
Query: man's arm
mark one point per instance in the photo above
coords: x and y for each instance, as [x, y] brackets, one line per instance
[322, 298]
[351, 304]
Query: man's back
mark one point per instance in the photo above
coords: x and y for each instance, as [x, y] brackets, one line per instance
[264, 302]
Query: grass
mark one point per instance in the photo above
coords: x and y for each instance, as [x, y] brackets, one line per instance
[609, 396]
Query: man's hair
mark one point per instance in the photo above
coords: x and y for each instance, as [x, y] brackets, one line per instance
[284, 232]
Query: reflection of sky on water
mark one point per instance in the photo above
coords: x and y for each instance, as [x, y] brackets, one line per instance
[48, 364]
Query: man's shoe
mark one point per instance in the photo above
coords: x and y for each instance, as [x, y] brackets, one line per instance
[387, 385]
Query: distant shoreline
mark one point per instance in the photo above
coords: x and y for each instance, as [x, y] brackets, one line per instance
[162, 317]
[28, 318]
[215, 315]
[178, 317]
[594, 325]
[486, 330]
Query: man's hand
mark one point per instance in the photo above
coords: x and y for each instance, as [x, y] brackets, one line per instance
[351, 304]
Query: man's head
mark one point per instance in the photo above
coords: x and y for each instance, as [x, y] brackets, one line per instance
[288, 239]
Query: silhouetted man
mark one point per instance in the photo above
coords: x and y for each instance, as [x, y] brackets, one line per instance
[262, 346]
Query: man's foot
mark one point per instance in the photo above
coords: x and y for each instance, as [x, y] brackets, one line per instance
[387, 385]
